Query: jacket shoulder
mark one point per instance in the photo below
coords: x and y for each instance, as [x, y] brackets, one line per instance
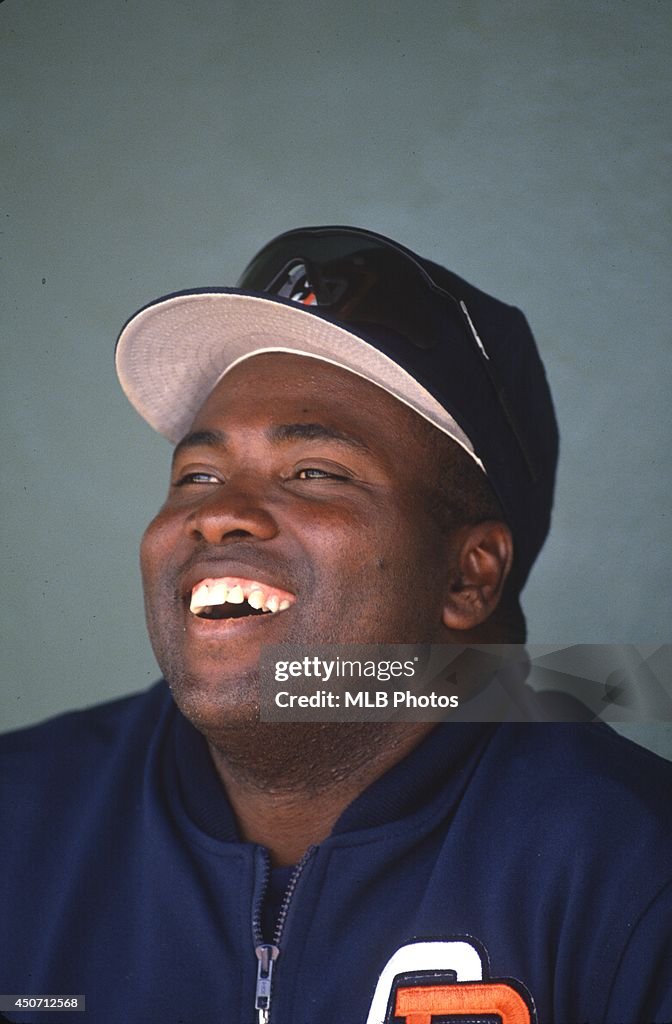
[585, 775]
[76, 742]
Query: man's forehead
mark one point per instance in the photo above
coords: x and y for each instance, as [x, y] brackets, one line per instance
[314, 386]
[291, 397]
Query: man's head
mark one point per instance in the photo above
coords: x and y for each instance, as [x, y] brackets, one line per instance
[462, 360]
[338, 343]
[302, 483]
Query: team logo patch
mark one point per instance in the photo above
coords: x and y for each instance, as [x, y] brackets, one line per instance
[292, 283]
[446, 983]
[295, 282]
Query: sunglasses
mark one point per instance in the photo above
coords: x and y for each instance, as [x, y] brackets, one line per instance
[356, 276]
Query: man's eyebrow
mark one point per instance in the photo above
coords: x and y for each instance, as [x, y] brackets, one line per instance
[200, 439]
[283, 432]
[314, 432]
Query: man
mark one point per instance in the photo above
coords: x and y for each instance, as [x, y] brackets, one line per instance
[366, 452]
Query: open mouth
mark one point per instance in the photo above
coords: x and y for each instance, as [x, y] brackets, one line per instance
[232, 597]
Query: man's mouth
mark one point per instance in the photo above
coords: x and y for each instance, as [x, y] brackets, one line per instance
[232, 597]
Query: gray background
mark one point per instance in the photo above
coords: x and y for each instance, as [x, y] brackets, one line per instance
[152, 145]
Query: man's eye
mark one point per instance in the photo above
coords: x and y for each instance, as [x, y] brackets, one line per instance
[312, 473]
[195, 478]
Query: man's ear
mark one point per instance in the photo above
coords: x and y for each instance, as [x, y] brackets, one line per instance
[482, 556]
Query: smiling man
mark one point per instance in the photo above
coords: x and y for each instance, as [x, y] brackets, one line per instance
[291, 516]
[365, 453]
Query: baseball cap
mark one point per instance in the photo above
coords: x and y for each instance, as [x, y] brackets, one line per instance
[463, 360]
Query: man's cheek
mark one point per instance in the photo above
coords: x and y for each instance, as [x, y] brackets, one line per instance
[153, 546]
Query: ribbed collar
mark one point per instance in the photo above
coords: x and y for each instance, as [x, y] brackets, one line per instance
[444, 756]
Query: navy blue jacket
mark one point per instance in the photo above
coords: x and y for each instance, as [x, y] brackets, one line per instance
[541, 851]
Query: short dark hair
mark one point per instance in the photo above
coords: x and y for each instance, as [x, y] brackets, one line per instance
[463, 496]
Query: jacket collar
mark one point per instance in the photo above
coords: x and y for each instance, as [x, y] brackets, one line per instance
[411, 784]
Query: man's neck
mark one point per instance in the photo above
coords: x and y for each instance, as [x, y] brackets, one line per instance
[295, 803]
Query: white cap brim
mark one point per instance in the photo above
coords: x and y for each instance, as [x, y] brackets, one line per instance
[171, 354]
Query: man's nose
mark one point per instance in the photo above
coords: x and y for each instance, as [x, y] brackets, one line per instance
[235, 509]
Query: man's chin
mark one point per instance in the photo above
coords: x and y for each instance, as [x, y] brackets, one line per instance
[214, 704]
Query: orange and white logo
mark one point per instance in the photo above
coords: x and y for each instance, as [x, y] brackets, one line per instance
[293, 283]
[425, 981]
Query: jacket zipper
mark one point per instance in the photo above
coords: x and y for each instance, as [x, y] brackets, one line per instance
[268, 952]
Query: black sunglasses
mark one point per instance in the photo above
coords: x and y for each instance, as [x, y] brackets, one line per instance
[356, 276]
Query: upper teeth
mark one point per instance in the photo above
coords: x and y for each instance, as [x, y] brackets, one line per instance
[259, 596]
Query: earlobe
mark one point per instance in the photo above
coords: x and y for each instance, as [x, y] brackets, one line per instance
[481, 560]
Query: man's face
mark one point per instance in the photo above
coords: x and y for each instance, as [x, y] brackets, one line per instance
[311, 487]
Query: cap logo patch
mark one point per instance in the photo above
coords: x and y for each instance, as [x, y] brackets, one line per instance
[292, 283]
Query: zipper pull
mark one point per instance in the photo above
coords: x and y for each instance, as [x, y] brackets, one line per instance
[266, 955]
